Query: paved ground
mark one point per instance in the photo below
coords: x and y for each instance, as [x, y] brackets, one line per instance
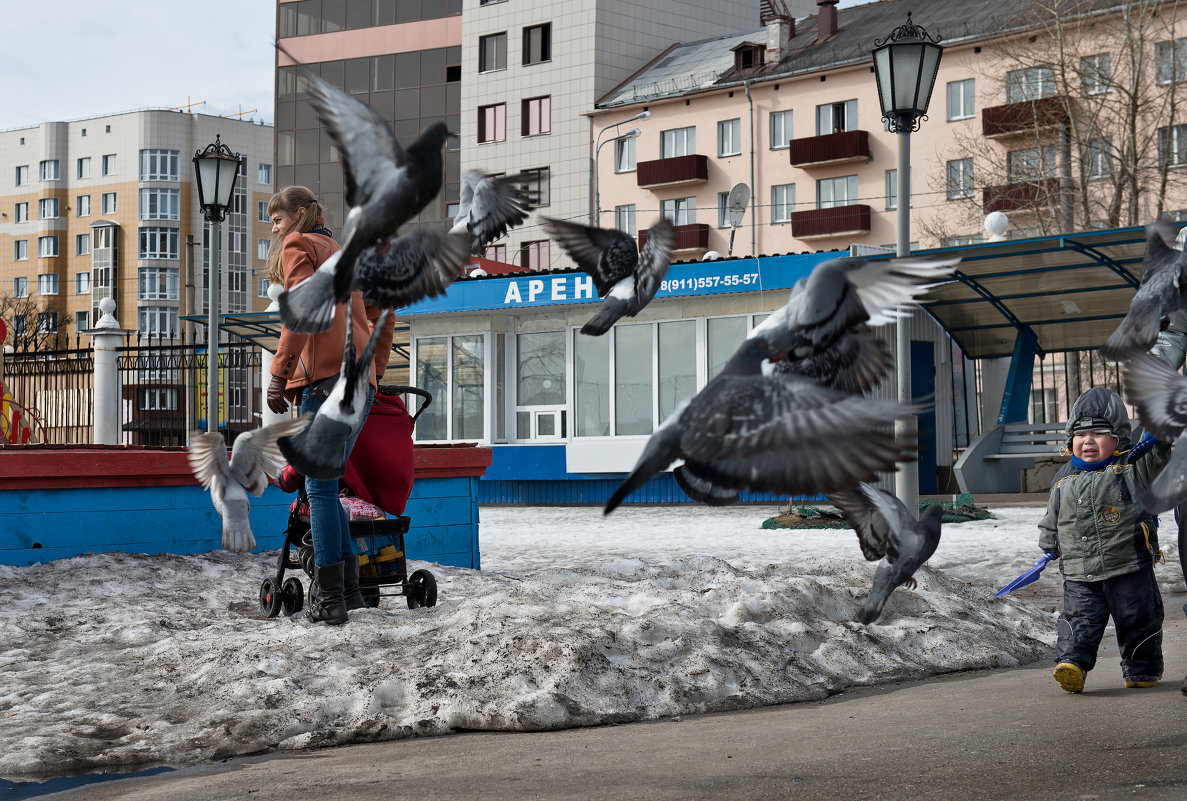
[1009, 734]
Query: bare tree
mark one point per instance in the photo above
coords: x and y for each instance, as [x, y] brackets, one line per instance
[28, 329]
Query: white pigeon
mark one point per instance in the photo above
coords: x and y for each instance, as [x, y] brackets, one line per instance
[254, 457]
[488, 205]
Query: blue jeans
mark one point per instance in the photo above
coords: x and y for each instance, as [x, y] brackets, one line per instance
[328, 524]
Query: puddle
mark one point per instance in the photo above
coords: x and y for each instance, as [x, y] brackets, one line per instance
[16, 791]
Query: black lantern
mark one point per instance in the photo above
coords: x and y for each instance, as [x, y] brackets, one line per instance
[215, 170]
[906, 63]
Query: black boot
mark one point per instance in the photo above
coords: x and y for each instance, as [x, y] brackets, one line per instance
[327, 603]
[350, 582]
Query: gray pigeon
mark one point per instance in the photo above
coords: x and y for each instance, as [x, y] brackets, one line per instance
[854, 363]
[1159, 394]
[1160, 293]
[254, 457]
[320, 450]
[745, 430]
[885, 528]
[386, 186]
[418, 265]
[625, 277]
[488, 206]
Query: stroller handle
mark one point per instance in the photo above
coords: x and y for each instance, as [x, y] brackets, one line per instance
[426, 397]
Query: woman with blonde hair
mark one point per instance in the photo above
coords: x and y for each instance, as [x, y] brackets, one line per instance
[303, 371]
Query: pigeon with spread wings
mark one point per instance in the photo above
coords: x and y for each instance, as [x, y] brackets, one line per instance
[1164, 282]
[1159, 394]
[488, 206]
[626, 278]
[418, 265]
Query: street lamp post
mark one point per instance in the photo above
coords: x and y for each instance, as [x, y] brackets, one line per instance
[905, 63]
[215, 171]
[596, 211]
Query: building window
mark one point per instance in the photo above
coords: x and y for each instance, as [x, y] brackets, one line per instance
[961, 99]
[1098, 158]
[540, 386]
[536, 184]
[159, 243]
[624, 155]
[82, 283]
[82, 244]
[492, 52]
[264, 174]
[157, 283]
[21, 212]
[1096, 74]
[157, 399]
[679, 210]
[47, 284]
[262, 284]
[47, 208]
[107, 203]
[160, 204]
[1032, 164]
[841, 191]
[729, 137]
[155, 165]
[960, 178]
[781, 129]
[1031, 83]
[82, 321]
[678, 142]
[958, 241]
[454, 370]
[496, 253]
[537, 44]
[723, 209]
[84, 168]
[891, 189]
[157, 320]
[676, 364]
[1170, 61]
[262, 212]
[82, 206]
[835, 117]
[591, 384]
[20, 325]
[633, 415]
[47, 322]
[782, 202]
[492, 123]
[47, 246]
[536, 116]
[48, 170]
[1172, 145]
[108, 167]
[22, 175]
[534, 255]
[624, 219]
[20, 286]
[262, 249]
[20, 252]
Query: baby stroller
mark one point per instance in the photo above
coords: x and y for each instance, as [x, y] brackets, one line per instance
[378, 477]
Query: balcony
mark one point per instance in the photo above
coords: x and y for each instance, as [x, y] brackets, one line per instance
[835, 221]
[673, 171]
[1021, 195]
[1028, 115]
[834, 148]
[694, 236]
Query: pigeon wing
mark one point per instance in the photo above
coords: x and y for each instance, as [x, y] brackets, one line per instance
[1169, 488]
[854, 364]
[207, 456]
[418, 265]
[871, 527]
[608, 255]
[654, 260]
[1159, 394]
[255, 454]
[899, 523]
[498, 205]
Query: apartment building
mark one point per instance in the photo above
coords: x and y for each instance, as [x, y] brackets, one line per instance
[108, 207]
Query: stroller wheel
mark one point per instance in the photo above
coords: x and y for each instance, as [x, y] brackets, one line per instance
[269, 599]
[421, 589]
[292, 596]
[370, 596]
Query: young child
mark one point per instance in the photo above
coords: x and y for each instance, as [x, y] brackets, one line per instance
[1108, 544]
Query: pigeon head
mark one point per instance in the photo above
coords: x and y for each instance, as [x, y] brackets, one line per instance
[748, 358]
[932, 516]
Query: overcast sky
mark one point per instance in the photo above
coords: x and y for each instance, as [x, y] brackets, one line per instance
[72, 59]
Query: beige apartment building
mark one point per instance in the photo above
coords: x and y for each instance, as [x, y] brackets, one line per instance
[107, 207]
[1027, 118]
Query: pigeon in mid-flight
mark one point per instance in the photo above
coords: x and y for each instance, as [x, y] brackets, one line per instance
[886, 529]
[626, 278]
[1162, 291]
[1159, 394]
[418, 265]
[854, 363]
[745, 430]
[320, 450]
[386, 185]
[488, 206]
[254, 457]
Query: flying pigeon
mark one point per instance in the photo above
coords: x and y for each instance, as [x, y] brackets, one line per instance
[854, 363]
[772, 434]
[1161, 292]
[386, 186]
[885, 528]
[320, 450]
[488, 205]
[839, 294]
[254, 457]
[1160, 396]
[626, 278]
[418, 265]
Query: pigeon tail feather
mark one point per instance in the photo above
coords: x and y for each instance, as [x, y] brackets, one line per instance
[703, 491]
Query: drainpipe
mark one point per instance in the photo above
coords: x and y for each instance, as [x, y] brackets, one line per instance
[753, 193]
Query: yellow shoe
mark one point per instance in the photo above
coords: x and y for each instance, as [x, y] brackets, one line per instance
[1141, 681]
[1070, 677]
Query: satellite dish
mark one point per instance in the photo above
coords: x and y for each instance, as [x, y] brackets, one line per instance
[739, 199]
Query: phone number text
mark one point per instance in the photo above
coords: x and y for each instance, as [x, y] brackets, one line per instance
[708, 282]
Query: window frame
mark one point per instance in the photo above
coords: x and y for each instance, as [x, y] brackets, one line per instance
[545, 44]
[958, 178]
[786, 119]
[786, 204]
[493, 114]
[962, 99]
[729, 130]
[538, 108]
[499, 52]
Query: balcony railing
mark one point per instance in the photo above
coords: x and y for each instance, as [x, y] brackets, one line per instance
[674, 170]
[1027, 115]
[694, 236]
[833, 148]
[1021, 195]
[835, 221]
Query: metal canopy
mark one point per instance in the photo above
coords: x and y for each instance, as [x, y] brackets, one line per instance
[1070, 290]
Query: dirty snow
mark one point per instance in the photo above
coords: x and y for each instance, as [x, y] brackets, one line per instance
[118, 661]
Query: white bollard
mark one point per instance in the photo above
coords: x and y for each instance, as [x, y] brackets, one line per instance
[106, 337]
